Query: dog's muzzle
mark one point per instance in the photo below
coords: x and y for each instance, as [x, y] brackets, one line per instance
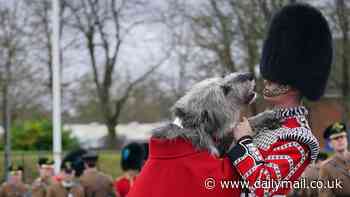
[251, 98]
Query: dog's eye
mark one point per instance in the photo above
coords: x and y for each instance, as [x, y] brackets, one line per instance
[245, 77]
[226, 89]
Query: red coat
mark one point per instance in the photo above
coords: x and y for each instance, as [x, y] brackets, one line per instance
[122, 185]
[277, 156]
[175, 168]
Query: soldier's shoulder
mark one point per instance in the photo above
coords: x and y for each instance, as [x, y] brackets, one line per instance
[4, 185]
[311, 171]
[78, 187]
[54, 186]
[26, 186]
[83, 177]
[329, 162]
[106, 176]
[36, 182]
[328, 165]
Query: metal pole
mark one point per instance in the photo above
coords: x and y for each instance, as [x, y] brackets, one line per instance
[7, 120]
[56, 85]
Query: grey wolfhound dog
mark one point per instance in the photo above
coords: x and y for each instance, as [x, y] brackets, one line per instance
[206, 114]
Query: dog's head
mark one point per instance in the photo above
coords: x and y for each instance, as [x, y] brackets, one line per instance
[239, 89]
[213, 105]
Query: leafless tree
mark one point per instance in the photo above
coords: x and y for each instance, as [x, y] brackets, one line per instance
[343, 15]
[12, 70]
[269, 7]
[104, 26]
[41, 34]
[339, 14]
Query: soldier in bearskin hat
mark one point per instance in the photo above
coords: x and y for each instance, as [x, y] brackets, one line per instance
[132, 158]
[46, 172]
[295, 64]
[14, 187]
[336, 168]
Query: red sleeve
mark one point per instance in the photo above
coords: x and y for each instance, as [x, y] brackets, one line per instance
[121, 187]
[285, 160]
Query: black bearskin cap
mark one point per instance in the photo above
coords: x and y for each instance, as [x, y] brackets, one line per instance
[76, 161]
[298, 50]
[132, 156]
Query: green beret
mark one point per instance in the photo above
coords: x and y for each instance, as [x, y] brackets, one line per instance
[334, 130]
[14, 168]
[45, 161]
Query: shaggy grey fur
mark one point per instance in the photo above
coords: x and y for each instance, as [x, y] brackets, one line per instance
[211, 108]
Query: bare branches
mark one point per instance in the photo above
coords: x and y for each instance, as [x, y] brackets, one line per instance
[104, 26]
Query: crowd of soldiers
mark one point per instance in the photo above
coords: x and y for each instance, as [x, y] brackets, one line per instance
[78, 177]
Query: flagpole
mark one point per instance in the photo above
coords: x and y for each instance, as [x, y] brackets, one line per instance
[56, 85]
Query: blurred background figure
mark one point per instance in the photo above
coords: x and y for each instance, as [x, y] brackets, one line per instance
[15, 187]
[45, 179]
[68, 185]
[94, 182]
[145, 148]
[310, 174]
[336, 168]
[133, 156]
[76, 160]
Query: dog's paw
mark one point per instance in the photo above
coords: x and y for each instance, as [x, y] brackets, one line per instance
[267, 119]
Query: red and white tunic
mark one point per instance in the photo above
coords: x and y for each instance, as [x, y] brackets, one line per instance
[277, 156]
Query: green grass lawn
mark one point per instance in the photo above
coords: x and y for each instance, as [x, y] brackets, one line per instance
[109, 163]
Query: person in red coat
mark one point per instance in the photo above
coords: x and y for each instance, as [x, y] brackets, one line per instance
[175, 168]
[186, 157]
[295, 63]
[132, 159]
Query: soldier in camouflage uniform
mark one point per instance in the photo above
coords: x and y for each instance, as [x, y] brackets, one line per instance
[336, 168]
[95, 183]
[46, 171]
[68, 186]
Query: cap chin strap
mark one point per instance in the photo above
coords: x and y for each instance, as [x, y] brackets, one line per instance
[279, 90]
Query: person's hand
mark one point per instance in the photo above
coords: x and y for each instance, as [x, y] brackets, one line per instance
[242, 129]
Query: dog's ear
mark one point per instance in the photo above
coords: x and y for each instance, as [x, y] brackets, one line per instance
[211, 121]
[225, 89]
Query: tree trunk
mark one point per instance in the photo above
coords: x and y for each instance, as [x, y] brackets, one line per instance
[344, 26]
[111, 140]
